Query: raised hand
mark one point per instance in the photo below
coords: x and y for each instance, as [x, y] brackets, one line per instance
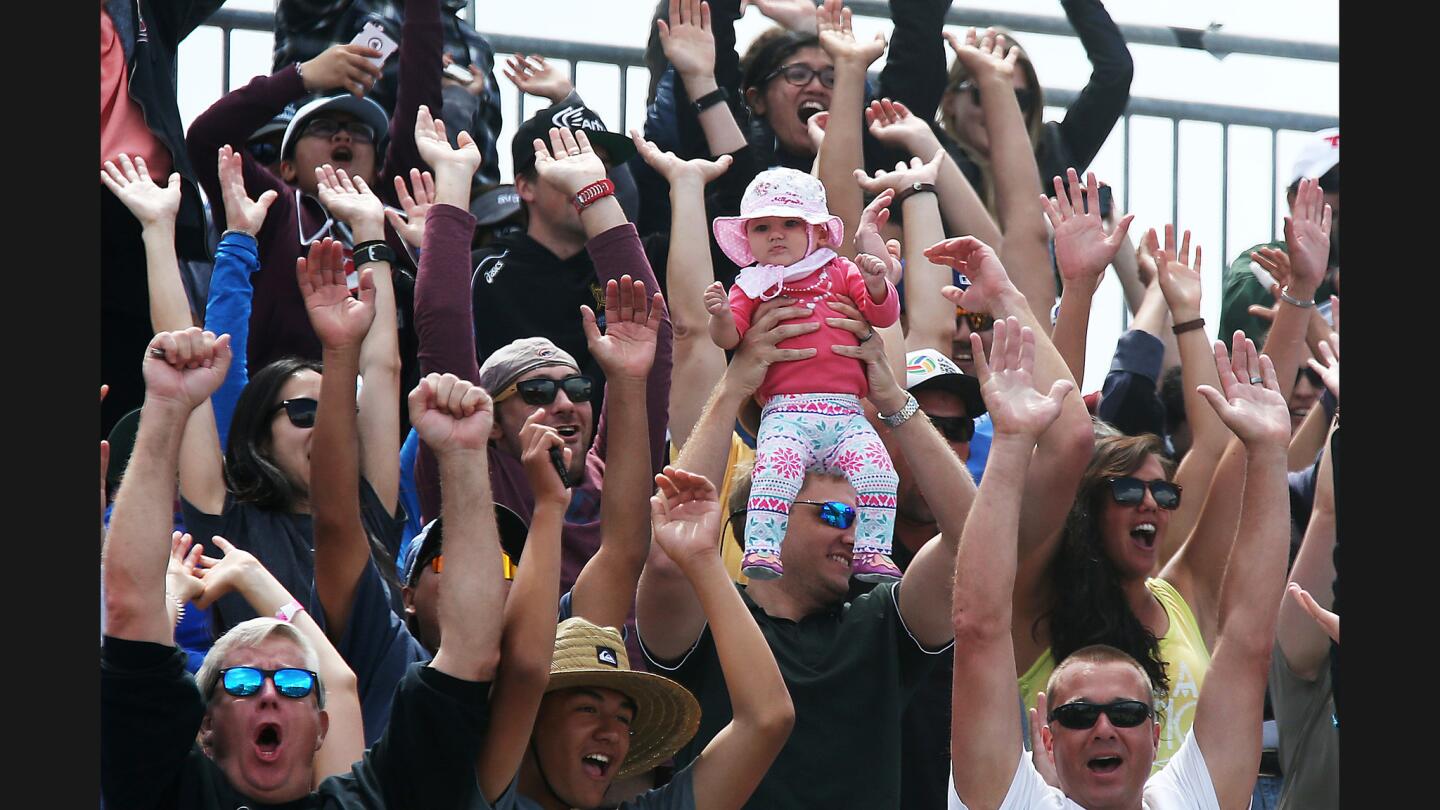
[837, 36]
[1179, 281]
[904, 176]
[435, 149]
[1145, 258]
[891, 122]
[534, 75]
[869, 241]
[350, 199]
[451, 414]
[1007, 383]
[675, 170]
[815, 128]
[339, 319]
[131, 183]
[228, 574]
[717, 303]
[686, 38]
[985, 56]
[876, 271]
[1328, 367]
[794, 15]
[536, 441]
[241, 212]
[627, 349]
[475, 86]
[574, 164]
[341, 67]
[411, 227]
[181, 580]
[1328, 621]
[685, 517]
[1082, 250]
[185, 367]
[1307, 235]
[1044, 761]
[1276, 262]
[1251, 406]
[989, 281]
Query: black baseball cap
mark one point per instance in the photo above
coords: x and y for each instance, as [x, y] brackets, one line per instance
[567, 115]
[426, 545]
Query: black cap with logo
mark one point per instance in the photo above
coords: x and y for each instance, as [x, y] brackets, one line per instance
[567, 115]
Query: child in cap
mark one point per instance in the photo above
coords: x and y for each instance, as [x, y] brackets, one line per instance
[811, 416]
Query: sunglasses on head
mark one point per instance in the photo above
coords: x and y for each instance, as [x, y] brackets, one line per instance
[360, 132]
[1082, 714]
[800, 75]
[978, 321]
[300, 411]
[954, 428]
[542, 391]
[1026, 98]
[437, 564]
[1128, 491]
[246, 681]
[834, 514]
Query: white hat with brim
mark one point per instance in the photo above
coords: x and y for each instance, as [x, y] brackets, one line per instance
[666, 714]
[363, 109]
[777, 192]
[730, 231]
[1320, 154]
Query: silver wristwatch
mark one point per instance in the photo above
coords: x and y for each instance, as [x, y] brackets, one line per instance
[900, 417]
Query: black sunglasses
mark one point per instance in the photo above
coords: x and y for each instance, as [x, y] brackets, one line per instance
[246, 681]
[264, 152]
[1082, 714]
[360, 131]
[542, 391]
[800, 75]
[954, 428]
[1128, 491]
[301, 411]
[1026, 98]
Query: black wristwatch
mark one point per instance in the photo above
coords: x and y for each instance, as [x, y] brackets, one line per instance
[710, 99]
[373, 251]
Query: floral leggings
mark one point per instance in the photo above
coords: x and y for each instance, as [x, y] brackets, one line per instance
[829, 432]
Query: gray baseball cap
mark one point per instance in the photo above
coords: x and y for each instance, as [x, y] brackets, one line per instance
[522, 356]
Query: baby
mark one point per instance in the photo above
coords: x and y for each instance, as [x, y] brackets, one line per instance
[811, 416]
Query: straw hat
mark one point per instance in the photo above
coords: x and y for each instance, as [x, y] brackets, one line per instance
[666, 714]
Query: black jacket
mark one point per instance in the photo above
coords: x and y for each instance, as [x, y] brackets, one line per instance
[150, 32]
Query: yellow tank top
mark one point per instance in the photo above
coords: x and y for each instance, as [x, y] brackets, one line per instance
[1186, 660]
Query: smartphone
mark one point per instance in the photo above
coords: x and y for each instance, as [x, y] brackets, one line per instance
[1107, 199]
[373, 36]
[458, 73]
[557, 457]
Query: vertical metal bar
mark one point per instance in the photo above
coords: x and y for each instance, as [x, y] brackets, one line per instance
[1224, 194]
[224, 60]
[1274, 178]
[1125, 185]
[1175, 175]
[624, 87]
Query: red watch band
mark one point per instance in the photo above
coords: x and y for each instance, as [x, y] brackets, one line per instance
[587, 196]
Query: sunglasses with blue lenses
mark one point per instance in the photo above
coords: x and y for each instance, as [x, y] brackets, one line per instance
[834, 513]
[246, 681]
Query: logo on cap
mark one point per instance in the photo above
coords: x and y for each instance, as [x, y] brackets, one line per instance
[605, 655]
[575, 118]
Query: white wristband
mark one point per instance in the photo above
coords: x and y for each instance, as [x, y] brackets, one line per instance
[287, 613]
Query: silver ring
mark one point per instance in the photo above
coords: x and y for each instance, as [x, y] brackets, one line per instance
[574, 151]
[155, 352]
[1256, 380]
[868, 336]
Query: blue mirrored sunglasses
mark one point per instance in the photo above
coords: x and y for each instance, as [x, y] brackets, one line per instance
[834, 513]
[246, 681]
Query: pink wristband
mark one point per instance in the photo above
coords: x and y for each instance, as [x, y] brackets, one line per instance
[287, 613]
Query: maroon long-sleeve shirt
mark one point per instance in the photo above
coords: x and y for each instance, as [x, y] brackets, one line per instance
[446, 331]
[278, 323]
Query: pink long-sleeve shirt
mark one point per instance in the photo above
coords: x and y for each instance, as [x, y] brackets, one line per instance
[826, 372]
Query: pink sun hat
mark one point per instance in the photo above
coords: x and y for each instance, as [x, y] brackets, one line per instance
[777, 193]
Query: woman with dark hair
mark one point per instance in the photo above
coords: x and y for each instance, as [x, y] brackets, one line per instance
[1072, 141]
[257, 494]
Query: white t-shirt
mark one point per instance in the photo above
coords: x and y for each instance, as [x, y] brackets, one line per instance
[1183, 784]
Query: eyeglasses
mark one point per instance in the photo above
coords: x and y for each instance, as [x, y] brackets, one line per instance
[542, 391]
[246, 681]
[1082, 714]
[833, 513]
[978, 321]
[437, 564]
[1025, 97]
[954, 428]
[800, 75]
[264, 152]
[301, 411]
[360, 132]
[1128, 491]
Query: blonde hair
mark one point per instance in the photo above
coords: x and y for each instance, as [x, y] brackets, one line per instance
[253, 633]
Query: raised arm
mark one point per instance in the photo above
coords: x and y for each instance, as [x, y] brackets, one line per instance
[352, 201]
[685, 515]
[698, 362]
[239, 571]
[181, 370]
[454, 418]
[422, 44]
[1093, 113]
[1082, 250]
[1303, 643]
[529, 636]
[340, 321]
[1229, 712]
[841, 153]
[985, 726]
[604, 591]
[689, 44]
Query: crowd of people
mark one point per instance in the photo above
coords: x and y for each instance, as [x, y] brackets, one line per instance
[747, 460]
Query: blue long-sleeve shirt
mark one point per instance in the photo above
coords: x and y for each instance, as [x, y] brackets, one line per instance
[227, 311]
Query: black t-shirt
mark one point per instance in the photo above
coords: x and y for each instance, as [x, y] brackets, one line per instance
[850, 672]
[150, 711]
[284, 543]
